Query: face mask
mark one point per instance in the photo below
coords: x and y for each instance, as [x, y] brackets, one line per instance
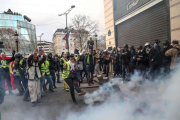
[148, 50]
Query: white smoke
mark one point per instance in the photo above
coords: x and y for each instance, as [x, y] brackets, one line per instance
[157, 100]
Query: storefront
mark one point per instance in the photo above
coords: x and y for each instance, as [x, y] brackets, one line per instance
[140, 21]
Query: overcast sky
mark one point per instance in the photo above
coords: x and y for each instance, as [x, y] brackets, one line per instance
[44, 12]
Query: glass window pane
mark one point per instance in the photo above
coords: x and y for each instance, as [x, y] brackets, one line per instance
[6, 16]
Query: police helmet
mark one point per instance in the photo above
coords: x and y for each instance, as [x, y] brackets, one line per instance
[131, 47]
[147, 44]
[125, 46]
[166, 42]
[18, 55]
[140, 47]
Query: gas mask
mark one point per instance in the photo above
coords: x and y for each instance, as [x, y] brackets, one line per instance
[148, 50]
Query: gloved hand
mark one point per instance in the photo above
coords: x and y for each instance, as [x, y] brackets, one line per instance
[13, 53]
[15, 75]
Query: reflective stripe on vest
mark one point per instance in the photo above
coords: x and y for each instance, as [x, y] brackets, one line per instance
[21, 64]
[77, 58]
[45, 68]
[64, 60]
[66, 71]
[88, 59]
[4, 64]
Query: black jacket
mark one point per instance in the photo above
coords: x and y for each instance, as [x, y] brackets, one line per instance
[125, 58]
[91, 64]
[57, 64]
[155, 55]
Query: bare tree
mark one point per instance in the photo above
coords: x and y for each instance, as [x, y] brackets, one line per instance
[8, 38]
[83, 26]
[101, 44]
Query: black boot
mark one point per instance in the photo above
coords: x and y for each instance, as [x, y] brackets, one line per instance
[33, 104]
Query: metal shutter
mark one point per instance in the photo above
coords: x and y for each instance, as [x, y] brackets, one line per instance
[144, 27]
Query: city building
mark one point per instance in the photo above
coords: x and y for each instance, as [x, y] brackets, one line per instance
[109, 23]
[59, 43]
[175, 19]
[135, 22]
[47, 46]
[17, 30]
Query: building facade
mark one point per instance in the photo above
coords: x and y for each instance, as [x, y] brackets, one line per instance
[48, 47]
[140, 21]
[10, 23]
[109, 23]
[175, 19]
[59, 43]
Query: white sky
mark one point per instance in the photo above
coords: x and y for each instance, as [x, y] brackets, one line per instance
[46, 12]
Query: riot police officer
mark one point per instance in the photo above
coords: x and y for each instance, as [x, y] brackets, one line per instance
[166, 59]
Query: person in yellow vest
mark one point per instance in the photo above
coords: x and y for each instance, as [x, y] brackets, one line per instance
[69, 75]
[19, 73]
[90, 63]
[62, 61]
[45, 74]
[4, 71]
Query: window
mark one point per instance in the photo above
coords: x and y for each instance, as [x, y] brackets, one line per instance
[6, 16]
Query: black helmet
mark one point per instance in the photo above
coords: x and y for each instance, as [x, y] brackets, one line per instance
[49, 55]
[55, 55]
[157, 41]
[166, 42]
[131, 47]
[125, 46]
[18, 55]
[140, 47]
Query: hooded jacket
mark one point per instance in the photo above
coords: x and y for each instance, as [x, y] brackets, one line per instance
[173, 52]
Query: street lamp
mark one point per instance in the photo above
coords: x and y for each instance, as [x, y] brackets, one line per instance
[16, 36]
[40, 39]
[96, 39]
[67, 12]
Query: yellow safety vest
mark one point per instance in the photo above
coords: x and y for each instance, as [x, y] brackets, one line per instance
[66, 72]
[88, 59]
[64, 60]
[45, 68]
[4, 64]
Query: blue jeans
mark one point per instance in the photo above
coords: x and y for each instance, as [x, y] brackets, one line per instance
[49, 80]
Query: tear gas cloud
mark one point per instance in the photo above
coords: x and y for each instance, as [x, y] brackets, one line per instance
[157, 100]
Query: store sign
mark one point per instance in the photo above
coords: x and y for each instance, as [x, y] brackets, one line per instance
[125, 7]
[132, 4]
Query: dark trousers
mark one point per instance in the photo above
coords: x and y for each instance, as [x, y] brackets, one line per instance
[58, 77]
[106, 69]
[116, 69]
[125, 71]
[6, 76]
[19, 86]
[53, 77]
[24, 81]
[120, 68]
[73, 83]
[90, 76]
[26, 94]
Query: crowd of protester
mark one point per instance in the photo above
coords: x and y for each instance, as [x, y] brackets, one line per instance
[32, 75]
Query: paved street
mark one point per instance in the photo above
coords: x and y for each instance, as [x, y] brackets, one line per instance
[51, 107]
